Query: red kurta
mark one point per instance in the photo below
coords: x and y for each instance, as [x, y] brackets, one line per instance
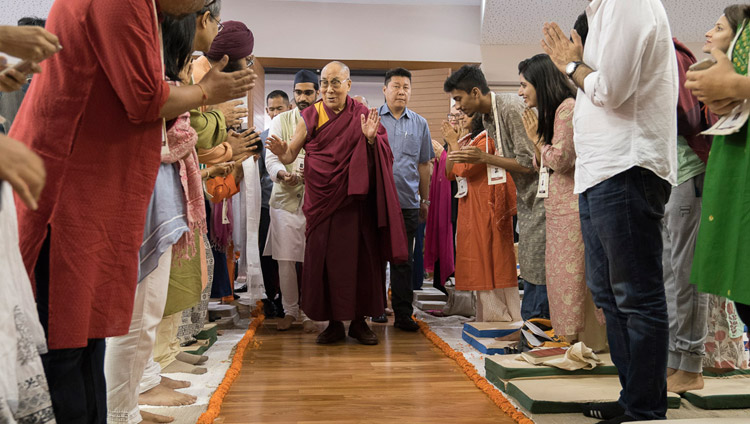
[93, 116]
[354, 222]
[485, 259]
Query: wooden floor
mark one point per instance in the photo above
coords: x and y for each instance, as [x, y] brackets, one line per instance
[403, 380]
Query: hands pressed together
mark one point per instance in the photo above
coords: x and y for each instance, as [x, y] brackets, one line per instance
[244, 144]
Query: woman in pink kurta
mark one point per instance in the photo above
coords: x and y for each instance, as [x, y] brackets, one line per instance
[545, 88]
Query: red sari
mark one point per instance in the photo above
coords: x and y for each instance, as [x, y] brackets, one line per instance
[354, 222]
[93, 116]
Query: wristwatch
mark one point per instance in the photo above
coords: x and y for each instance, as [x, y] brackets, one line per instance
[571, 67]
[426, 202]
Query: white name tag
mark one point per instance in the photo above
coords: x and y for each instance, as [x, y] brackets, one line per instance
[299, 166]
[542, 191]
[496, 175]
[224, 217]
[463, 187]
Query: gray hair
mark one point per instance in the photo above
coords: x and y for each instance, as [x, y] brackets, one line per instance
[214, 8]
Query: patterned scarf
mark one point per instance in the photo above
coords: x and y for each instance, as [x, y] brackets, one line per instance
[181, 138]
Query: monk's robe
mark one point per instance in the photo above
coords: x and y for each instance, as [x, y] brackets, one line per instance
[354, 222]
[93, 117]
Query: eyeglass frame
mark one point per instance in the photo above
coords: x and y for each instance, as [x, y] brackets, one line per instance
[324, 83]
[452, 116]
[219, 25]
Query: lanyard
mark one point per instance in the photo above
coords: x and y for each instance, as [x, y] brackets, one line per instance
[164, 143]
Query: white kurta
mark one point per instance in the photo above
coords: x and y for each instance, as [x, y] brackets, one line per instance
[286, 233]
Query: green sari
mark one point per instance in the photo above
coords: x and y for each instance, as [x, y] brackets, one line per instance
[721, 265]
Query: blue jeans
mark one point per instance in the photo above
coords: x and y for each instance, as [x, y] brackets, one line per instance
[621, 222]
[417, 274]
[535, 303]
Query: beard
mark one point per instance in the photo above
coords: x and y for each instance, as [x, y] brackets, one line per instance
[302, 105]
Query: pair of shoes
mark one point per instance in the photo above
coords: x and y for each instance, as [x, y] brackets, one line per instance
[381, 319]
[242, 289]
[285, 323]
[406, 324]
[603, 410]
[334, 333]
[359, 330]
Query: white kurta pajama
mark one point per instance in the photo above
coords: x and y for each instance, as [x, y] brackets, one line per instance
[286, 234]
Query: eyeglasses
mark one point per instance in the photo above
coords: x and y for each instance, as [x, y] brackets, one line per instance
[305, 92]
[250, 61]
[219, 25]
[335, 83]
[455, 116]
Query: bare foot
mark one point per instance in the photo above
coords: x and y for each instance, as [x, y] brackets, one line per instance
[164, 396]
[179, 366]
[512, 337]
[149, 418]
[174, 384]
[285, 323]
[192, 359]
[683, 381]
[308, 326]
[671, 371]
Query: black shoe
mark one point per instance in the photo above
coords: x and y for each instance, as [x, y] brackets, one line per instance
[618, 420]
[603, 410]
[334, 333]
[269, 308]
[406, 324]
[359, 331]
[381, 319]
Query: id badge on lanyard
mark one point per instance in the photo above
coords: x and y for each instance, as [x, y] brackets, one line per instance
[463, 187]
[496, 174]
[542, 191]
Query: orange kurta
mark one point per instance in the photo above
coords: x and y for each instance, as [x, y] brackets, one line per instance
[485, 259]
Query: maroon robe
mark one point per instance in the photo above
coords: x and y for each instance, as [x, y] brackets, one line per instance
[93, 117]
[354, 222]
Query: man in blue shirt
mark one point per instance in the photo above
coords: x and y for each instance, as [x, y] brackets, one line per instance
[409, 137]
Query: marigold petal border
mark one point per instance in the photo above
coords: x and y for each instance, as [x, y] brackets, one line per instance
[485, 386]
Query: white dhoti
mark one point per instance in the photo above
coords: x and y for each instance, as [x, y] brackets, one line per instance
[286, 244]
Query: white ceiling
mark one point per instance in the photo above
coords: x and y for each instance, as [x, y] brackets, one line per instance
[520, 21]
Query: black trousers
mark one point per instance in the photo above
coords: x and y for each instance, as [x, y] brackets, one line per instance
[268, 266]
[75, 376]
[401, 274]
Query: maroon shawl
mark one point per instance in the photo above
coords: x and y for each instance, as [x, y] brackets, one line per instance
[690, 119]
[336, 168]
[438, 243]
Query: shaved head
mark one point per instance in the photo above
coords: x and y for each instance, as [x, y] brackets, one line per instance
[336, 69]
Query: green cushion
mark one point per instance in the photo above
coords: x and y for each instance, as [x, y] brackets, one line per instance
[721, 393]
[568, 395]
[506, 367]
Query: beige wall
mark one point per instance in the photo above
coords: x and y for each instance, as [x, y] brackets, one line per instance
[314, 30]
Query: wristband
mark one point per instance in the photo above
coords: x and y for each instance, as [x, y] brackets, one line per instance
[204, 95]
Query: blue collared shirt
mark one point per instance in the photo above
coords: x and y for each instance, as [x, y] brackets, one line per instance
[410, 141]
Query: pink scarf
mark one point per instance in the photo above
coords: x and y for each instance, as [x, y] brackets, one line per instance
[181, 138]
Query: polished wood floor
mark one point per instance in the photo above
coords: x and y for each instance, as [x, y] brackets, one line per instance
[403, 380]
